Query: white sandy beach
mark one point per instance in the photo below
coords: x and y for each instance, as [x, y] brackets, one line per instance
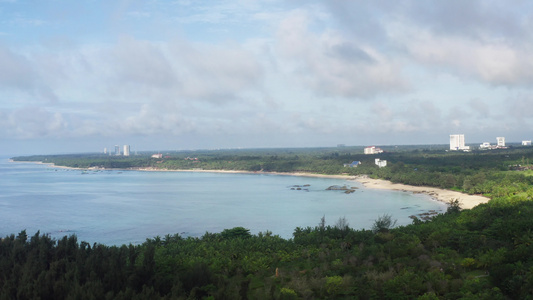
[465, 201]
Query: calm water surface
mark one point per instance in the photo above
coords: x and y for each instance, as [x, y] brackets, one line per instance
[117, 207]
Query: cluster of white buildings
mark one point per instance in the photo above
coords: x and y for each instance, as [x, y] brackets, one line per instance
[457, 142]
[500, 144]
[117, 152]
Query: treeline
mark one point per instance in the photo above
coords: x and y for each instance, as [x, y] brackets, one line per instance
[483, 253]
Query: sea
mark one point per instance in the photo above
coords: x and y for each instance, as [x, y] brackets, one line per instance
[115, 207]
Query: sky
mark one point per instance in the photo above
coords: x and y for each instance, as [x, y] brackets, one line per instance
[81, 76]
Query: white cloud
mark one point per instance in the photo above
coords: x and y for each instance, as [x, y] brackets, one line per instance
[495, 63]
[31, 122]
[269, 71]
[15, 70]
[330, 64]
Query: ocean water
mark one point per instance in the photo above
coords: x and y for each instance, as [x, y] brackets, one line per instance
[120, 207]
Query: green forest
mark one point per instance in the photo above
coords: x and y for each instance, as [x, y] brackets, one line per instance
[482, 253]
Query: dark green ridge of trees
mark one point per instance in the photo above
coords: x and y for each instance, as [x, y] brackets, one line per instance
[482, 253]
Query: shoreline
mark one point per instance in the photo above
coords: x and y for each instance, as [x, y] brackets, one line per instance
[442, 195]
[466, 201]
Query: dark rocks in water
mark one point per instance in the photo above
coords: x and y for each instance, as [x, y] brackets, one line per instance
[344, 188]
[300, 187]
[336, 188]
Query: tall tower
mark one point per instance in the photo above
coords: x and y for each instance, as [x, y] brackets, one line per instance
[501, 141]
[117, 150]
[457, 142]
[126, 150]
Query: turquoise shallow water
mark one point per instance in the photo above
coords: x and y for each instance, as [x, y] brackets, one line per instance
[116, 207]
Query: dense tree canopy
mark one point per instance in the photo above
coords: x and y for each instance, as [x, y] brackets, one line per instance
[483, 253]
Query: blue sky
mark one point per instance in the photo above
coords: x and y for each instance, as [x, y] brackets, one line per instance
[78, 76]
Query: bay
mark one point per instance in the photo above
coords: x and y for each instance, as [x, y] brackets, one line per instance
[115, 207]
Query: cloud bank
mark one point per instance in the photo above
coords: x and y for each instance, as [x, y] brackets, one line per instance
[265, 73]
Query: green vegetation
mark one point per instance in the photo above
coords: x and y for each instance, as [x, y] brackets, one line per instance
[482, 253]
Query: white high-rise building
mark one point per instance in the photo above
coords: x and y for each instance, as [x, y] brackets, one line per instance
[501, 141]
[117, 150]
[126, 150]
[457, 142]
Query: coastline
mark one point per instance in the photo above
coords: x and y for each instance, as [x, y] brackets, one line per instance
[465, 201]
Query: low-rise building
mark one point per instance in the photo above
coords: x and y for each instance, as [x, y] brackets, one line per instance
[381, 163]
[373, 150]
[485, 145]
[354, 164]
[526, 143]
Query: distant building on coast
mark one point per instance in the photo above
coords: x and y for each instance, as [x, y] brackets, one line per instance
[485, 145]
[373, 150]
[380, 163]
[105, 150]
[117, 150]
[526, 143]
[158, 155]
[354, 164]
[500, 144]
[457, 142]
[126, 150]
[501, 141]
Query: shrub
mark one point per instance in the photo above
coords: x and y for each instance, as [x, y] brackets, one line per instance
[333, 284]
[383, 223]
